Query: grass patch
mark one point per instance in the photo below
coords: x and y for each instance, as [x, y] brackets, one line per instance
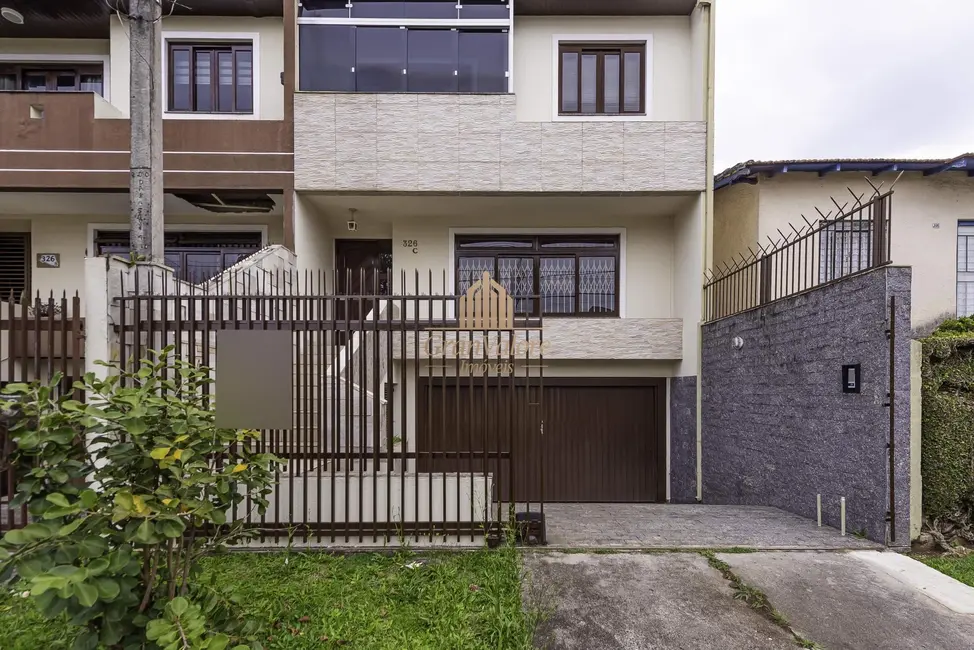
[317, 600]
[958, 567]
[754, 597]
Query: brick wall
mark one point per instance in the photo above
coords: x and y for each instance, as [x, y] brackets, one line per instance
[777, 428]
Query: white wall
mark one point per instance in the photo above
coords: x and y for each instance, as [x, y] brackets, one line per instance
[270, 93]
[536, 78]
[688, 246]
[924, 228]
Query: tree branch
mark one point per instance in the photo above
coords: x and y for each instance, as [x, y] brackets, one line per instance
[149, 583]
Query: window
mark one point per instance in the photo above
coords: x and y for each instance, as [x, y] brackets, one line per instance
[551, 275]
[211, 77]
[845, 247]
[447, 47]
[52, 78]
[194, 256]
[14, 265]
[602, 79]
[965, 268]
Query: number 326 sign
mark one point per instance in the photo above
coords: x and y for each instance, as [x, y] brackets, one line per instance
[49, 260]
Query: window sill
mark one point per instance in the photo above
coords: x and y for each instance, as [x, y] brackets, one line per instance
[190, 115]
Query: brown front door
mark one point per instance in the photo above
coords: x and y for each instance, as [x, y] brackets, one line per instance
[364, 268]
[604, 439]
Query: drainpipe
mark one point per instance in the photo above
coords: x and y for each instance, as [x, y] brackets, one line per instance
[709, 64]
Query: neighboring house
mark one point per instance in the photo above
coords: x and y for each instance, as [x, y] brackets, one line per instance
[64, 137]
[932, 226]
[562, 146]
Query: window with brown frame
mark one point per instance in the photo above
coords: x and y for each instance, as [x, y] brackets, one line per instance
[52, 78]
[211, 77]
[602, 78]
[558, 275]
[14, 265]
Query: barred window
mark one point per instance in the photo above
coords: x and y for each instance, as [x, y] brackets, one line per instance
[550, 275]
[965, 268]
[845, 248]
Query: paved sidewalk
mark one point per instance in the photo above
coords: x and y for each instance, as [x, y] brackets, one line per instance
[642, 602]
[643, 526]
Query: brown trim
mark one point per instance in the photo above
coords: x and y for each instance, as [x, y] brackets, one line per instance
[290, 83]
[600, 50]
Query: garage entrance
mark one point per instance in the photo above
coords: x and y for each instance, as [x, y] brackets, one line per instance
[604, 439]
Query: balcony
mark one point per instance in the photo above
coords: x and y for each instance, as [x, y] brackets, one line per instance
[77, 140]
[473, 143]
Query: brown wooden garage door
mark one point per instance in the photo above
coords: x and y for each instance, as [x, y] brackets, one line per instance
[604, 438]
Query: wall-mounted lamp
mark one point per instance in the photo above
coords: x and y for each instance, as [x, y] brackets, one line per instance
[12, 15]
[737, 342]
[352, 224]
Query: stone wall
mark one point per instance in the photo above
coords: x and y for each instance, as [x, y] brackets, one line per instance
[777, 427]
[683, 440]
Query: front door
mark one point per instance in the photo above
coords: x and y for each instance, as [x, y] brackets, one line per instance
[364, 269]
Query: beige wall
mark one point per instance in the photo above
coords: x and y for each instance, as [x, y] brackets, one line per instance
[735, 221]
[687, 269]
[270, 98]
[69, 236]
[535, 77]
[926, 211]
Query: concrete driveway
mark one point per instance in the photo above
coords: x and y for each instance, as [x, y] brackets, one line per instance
[862, 600]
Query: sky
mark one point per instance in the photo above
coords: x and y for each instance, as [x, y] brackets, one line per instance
[843, 79]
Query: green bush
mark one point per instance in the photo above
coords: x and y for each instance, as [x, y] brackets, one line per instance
[963, 326]
[948, 423]
[127, 492]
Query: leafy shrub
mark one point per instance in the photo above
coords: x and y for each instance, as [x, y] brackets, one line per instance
[126, 493]
[963, 326]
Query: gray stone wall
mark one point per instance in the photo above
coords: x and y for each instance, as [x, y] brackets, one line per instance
[683, 439]
[473, 143]
[777, 428]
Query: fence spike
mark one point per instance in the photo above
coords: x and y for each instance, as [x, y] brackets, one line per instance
[857, 198]
[895, 181]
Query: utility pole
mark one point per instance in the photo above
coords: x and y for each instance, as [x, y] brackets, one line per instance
[146, 188]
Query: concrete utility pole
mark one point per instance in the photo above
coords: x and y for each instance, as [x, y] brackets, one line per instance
[146, 189]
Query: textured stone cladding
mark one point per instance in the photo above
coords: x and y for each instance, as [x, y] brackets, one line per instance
[473, 143]
[683, 439]
[777, 427]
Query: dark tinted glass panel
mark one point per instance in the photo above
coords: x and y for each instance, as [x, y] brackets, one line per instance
[175, 262]
[590, 83]
[35, 81]
[245, 80]
[380, 58]
[200, 267]
[483, 62]
[557, 284]
[323, 9]
[224, 66]
[483, 9]
[596, 285]
[378, 9]
[496, 243]
[8, 81]
[91, 83]
[432, 60]
[611, 74]
[65, 81]
[516, 274]
[204, 82]
[327, 57]
[181, 90]
[569, 82]
[633, 81]
[430, 9]
[471, 269]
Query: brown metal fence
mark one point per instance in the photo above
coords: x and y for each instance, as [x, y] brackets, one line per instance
[373, 452]
[38, 339]
[857, 239]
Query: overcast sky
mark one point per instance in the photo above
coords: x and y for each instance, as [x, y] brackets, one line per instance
[843, 79]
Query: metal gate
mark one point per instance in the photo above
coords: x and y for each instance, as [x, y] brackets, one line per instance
[370, 456]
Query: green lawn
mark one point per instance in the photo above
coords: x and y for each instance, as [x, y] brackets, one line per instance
[959, 568]
[437, 600]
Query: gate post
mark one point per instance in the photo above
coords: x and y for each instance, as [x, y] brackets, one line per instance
[878, 234]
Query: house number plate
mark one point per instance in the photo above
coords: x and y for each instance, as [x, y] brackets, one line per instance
[49, 260]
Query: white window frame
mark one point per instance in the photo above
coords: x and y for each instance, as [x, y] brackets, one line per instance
[104, 59]
[607, 39]
[211, 37]
[964, 229]
[441, 23]
[620, 232]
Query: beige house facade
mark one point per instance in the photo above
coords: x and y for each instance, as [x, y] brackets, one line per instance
[932, 217]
